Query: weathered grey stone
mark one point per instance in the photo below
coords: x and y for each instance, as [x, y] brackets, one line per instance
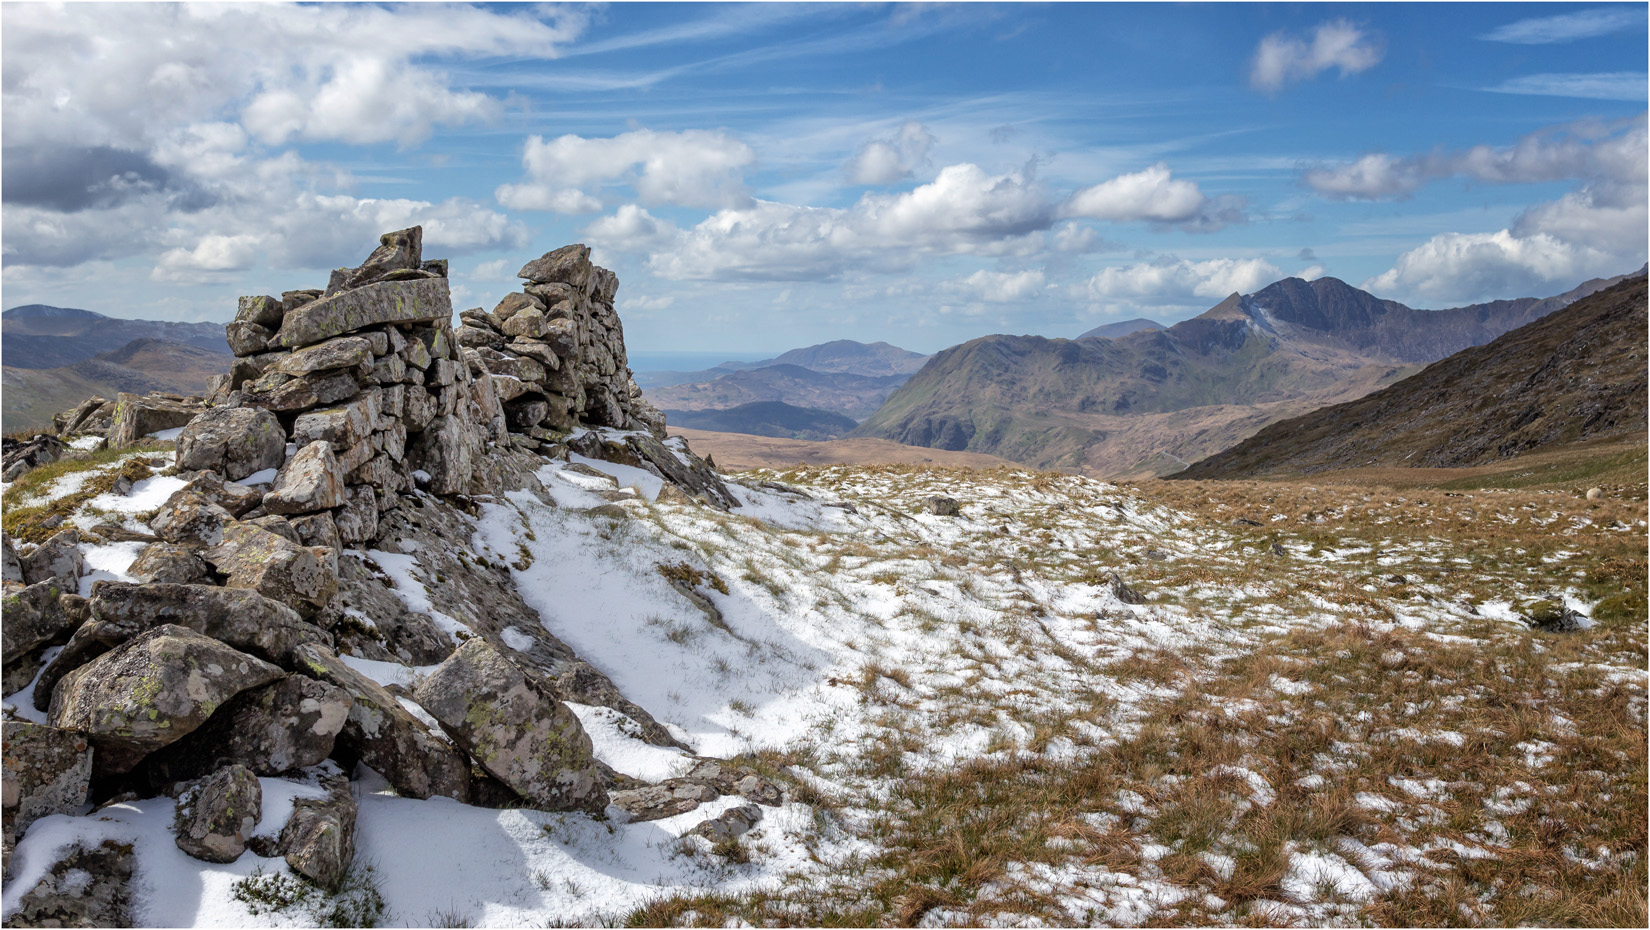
[731, 824]
[318, 841]
[76, 418]
[13, 565]
[280, 526]
[247, 338]
[309, 481]
[68, 897]
[188, 518]
[341, 352]
[553, 295]
[285, 725]
[136, 417]
[511, 305]
[475, 336]
[398, 251]
[43, 771]
[507, 387]
[419, 301]
[524, 737]
[151, 691]
[666, 799]
[344, 426]
[377, 339]
[292, 300]
[283, 393]
[382, 735]
[238, 499]
[445, 451]
[421, 409]
[34, 617]
[239, 617]
[57, 560]
[357, 520]
[234, 441]
[435, 266]
[416, 354]
[562, 338]
[528, 323]
[257, 560]
[261, 310]
[569, 264]
[942, 506]
[169, 563]
[216, 815]
[318, 529]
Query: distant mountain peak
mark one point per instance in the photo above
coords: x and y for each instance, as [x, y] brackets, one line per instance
[48, 312]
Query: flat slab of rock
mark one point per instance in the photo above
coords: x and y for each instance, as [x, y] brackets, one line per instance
[258, 560]
[422, 300]
[522, 736]
[137, 416]
[150, 692]
[246, 620]
[730, 824]
[216, 815]
[666, 799]
[384, 736]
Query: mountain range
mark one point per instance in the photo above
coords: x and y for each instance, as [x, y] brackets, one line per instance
[33, 395]
[1575, 375]
[41, 336]
[1151, 401]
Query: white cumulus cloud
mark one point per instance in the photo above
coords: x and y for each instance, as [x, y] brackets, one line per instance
[693, 168]
[1001, 287]
[1153, 195]
[885, 161]
[1282, 59]
[211, 254]
[1170, 280]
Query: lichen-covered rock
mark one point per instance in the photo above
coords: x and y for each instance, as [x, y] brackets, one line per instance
[216, 815]
[169, 563]
[76, 419]
[188, 518]
[569, 265]
[317, 529]
[423, 300]
[43, 771]
[86, 888]
[246, 338]
[262, 310]
[241, 618]
[57, 560]
[730, 824]
[281, 570]
[309, 481]
[34, 617]
[19, 458]
[137, 416]
[521, 735]
[398, 251]
[151, 691]
[318, 840]
[384, 736]
[13, 565]
[233, 441]
[666, 799]
[289, 724]
[236, 498]
[941, 506]
[340, 352]
[284, 393]
[357, 520]
[345, 426]
[445, 451]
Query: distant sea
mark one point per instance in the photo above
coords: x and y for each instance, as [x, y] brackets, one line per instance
[690, 361]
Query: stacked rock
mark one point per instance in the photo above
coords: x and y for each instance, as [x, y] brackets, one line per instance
[555, 351]
[364, 377]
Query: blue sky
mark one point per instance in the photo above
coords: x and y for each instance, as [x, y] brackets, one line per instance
[764, 176]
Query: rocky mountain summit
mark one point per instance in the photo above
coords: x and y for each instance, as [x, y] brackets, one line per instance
[263, 597]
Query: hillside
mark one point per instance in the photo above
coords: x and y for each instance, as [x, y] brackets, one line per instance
[41, 336]
[1578, 374]
[1282, 351]
[33, 395]
[766, 418]
[845, 356]
[742, 451]
[847, 394]
[1114, 330]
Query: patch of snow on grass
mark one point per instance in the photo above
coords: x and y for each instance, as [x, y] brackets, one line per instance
[617, 742]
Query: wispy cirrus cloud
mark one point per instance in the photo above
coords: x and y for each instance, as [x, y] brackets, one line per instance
[1569, 27]
[1607, 85]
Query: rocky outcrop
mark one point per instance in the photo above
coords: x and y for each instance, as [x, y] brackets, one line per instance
[280, 727]
[45, 771]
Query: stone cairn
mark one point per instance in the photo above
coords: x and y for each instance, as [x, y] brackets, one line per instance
[221, 664]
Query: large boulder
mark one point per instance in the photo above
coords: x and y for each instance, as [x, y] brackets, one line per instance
[169, 563]
[318, 840]
[309, 481]
[216, 815]
[384, 736]
[150, 692]
[233, 497]
[19, 458]
[235, 441]
[43, 771]
[34, 617]
[137, 416]
[285, 725]
[57, 560]
[398, 251]
[520, 734]
[341, 352]
[423, 300]
[258, 560]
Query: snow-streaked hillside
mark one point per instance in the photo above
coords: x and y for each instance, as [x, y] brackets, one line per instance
[1069, 704]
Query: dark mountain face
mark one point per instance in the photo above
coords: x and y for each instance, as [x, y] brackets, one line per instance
[1285, 349]
[41, 336]
[843, 356]
[849, 395]
[1575, 375]
[766, 418]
